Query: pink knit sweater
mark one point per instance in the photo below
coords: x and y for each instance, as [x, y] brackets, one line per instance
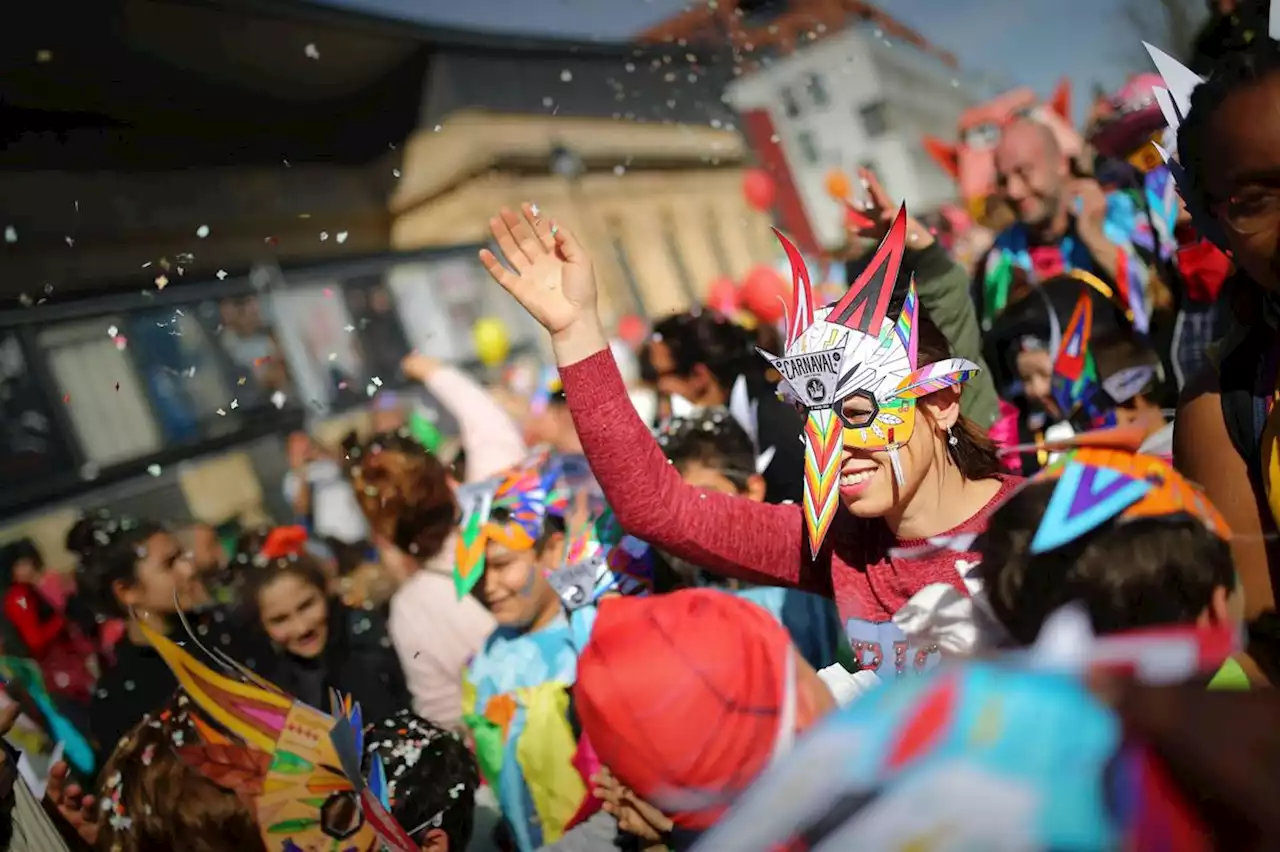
[756, 542]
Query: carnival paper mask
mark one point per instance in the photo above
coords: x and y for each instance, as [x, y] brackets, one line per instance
[852, 367]
[299, 767]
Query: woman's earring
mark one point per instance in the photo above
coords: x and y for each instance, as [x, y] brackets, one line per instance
[951, 438]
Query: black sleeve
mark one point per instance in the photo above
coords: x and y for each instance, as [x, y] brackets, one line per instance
[779, 427]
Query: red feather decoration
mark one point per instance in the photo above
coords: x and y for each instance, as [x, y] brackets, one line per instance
[231, 767]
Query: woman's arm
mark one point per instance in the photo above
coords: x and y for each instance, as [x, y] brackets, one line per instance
[21, 608]
[489, 437]
[1203, 452]
[756, 542]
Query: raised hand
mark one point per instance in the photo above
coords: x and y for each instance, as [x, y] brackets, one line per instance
[78, 809]
[552, 276]
[879, 212]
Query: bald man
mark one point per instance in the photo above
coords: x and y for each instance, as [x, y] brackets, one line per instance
[1062, 224]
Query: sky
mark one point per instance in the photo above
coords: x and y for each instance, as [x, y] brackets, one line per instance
[1017, 42]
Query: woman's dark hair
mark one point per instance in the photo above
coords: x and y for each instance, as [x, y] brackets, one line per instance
[404, 492]
[705, 337]
[1232, 72]
[973, 452]
[109, 549]
[167, 803]
[713, 439]
[1128, 575]
[431, 776]
[17, 551]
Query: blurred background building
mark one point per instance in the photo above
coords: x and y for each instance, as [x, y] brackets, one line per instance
[227, 221]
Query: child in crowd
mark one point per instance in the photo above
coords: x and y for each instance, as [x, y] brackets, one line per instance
[517, 537]
[712, 451]
[431, 780]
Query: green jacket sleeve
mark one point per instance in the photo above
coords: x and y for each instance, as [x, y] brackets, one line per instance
[943, 288]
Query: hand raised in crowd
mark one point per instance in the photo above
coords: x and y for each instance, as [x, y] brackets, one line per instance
[634, 815]
[418, 367]
[1089, 203]
[880, 210]
[550, 275]
[73, 805]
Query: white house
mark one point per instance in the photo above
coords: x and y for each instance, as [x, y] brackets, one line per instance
[857, 98]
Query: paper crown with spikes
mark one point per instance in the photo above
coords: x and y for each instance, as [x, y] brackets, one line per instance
[298, 766]
[852, 367]
[600, 560]
[510, 509]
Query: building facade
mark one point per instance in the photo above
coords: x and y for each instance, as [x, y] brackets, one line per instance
[855, 99]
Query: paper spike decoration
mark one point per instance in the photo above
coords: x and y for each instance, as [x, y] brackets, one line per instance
[858, 347]
[1098, 483]
[1074, 384]
[281, 754]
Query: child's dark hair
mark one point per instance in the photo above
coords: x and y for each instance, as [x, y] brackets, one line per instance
[705, 337]
[713, 439]
[17, 551]
[109, 551]
[1232, 72]
[973, 452]
[431, 776]
[1132, 574]
[153, 800]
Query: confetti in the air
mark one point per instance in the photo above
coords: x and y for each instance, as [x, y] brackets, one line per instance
[312, 51]
[10, 234]
[162, 281]
[277, 399]
[202, 231]
[235, 403]
[153, 469]
[221, 274]
[342, 236]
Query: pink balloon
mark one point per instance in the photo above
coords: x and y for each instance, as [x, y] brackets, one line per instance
[765, 294]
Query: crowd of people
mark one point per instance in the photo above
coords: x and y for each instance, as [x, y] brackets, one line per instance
[977, 556]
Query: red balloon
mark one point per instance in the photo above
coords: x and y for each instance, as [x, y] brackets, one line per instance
[722, 295]
[632, 329]
[765, 294]
[759, 189]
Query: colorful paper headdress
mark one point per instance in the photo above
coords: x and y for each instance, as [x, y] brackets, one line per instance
[511, 508]
[853, 368]
[1101, 475]
[299, 767]
[600, 560]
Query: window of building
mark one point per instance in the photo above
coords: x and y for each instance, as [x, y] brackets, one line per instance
[717, 243]
[875, 119]
[105, 398]
[808, 147]
[789, 103]
[677, 259]
[624, 264]
[32, 448]
[818, 90]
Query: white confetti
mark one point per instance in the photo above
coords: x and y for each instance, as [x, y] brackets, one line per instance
[222, 273]
[566, 76]
[10, 234]
[370, 389]
[112, 332]
[342, 236]
[277, 399]
[324, 235]
[202, 231]
[235, 403]
[377, 381]
[312, 51]
[153, 469]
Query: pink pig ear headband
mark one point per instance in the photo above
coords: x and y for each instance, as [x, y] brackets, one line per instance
[856, 349]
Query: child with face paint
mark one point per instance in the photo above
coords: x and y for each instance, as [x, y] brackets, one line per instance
[539, 558]
[889, 458]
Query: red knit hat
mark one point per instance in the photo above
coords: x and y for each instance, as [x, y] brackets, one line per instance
[682, 694]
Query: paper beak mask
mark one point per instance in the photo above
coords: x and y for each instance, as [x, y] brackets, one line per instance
[853, 369]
